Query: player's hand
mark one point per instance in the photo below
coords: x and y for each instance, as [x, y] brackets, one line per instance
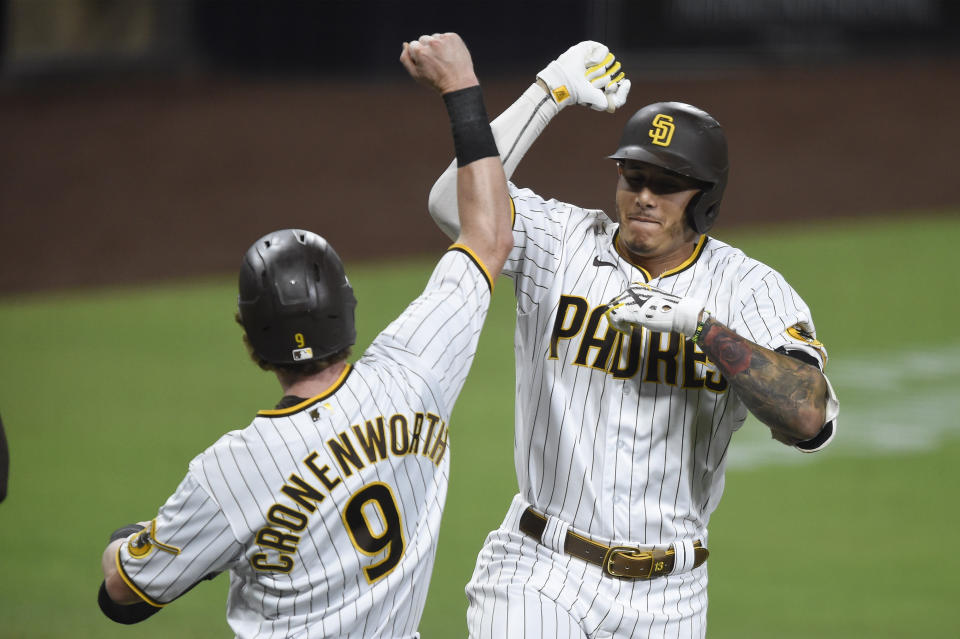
[655, 310]
[588, 74]
[440, 61]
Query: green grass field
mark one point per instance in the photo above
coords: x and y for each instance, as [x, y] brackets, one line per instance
[107, 394]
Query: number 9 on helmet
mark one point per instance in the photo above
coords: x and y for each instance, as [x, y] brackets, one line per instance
[295, 301]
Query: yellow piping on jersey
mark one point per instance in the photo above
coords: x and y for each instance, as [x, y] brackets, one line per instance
[483, 267]
[690, 260]
[173, 550]
[697, 250]
[466, 249]
[316, 398]
[134, 587]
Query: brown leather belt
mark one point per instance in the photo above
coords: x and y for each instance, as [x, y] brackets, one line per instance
[623, 562]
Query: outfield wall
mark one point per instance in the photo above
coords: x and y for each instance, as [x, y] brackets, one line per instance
[152, 179]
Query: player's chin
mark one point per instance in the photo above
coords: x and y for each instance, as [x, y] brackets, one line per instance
[641, 238]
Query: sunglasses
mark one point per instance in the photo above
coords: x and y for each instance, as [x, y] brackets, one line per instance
[658, 180]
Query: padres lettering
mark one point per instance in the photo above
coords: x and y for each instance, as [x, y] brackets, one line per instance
[609, 350]
[375, 441]
[662, 135]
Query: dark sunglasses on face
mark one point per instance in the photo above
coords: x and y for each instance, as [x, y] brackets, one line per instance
[658, 182]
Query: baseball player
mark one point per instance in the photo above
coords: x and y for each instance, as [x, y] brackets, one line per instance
[641, 344]
[325, 510]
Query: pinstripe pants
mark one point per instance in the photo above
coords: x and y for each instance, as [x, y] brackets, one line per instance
[521, 588]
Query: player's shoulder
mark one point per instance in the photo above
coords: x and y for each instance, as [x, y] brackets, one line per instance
[263, 431]
[271, 432]
[390, 367]
[527, 203]
[227, 442]
[722, 256]
[229, 446]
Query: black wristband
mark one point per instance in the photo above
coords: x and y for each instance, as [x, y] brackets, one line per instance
[472, 137]
[125, 614]
[125, 531]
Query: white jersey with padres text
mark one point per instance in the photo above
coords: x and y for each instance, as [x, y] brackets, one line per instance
[623, 438]
[326, 514]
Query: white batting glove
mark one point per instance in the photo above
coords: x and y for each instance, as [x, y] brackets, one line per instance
[655, 310]
[587, 73]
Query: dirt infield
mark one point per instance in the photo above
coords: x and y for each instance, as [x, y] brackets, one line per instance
[117, 185]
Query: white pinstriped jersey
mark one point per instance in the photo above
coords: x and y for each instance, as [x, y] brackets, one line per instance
[326, 514]
[625, 438]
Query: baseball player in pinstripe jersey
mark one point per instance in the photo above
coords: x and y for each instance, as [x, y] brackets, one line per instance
[326, 509]
[641, 344]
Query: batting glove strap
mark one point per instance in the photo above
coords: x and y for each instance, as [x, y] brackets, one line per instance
[653, 309]
[586, 73]
[701, 322]
[687, 316]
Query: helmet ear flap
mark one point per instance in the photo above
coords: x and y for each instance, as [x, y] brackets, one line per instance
[701, 218]
[693, 214]
[709, 217]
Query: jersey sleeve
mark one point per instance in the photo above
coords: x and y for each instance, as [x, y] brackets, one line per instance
[540, 231]
[437, 334]
[189, 540]
[769, 312]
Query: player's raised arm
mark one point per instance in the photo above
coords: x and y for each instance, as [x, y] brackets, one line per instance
[442, 61]
[586, 73]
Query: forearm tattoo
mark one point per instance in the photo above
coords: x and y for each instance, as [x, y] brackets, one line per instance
[786, 394]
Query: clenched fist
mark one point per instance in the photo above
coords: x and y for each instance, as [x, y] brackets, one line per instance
[654, 309]
[441, 61]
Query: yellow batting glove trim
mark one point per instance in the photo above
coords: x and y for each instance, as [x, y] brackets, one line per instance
[612, 70]
[621, 76]
[603, 65]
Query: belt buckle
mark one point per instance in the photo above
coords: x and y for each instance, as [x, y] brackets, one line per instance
[623, 550]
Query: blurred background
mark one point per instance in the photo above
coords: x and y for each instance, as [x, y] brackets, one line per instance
[145, 144]
[151, 138]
